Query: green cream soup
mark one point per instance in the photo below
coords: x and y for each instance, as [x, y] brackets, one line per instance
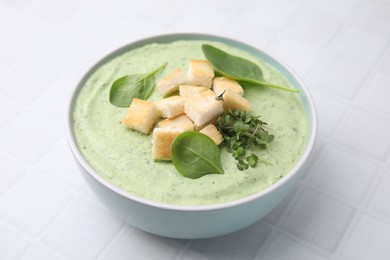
[124, 157]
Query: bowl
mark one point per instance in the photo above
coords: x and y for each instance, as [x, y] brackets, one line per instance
[194, 222]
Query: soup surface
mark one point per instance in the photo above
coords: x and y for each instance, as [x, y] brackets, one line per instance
[124, 157]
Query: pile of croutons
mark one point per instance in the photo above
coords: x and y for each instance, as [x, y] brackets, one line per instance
[196, 108]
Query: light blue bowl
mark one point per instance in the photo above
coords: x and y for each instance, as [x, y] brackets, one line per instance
[191, 222]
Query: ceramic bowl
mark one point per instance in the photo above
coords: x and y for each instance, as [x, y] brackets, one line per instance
[191, 222]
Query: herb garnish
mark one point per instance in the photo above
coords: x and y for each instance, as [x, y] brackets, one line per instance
[124, 89]
[241, 131]
[237, 68]
[194, 154]
[220, 96]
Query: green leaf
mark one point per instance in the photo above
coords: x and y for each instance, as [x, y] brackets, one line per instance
[194, 155]
[237, 68]
[141, 86]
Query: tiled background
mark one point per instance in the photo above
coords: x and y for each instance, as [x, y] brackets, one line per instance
[340, 208]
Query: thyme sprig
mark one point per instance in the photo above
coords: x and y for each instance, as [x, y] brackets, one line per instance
[241, 133]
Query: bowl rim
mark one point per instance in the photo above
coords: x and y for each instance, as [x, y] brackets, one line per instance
[195, 36]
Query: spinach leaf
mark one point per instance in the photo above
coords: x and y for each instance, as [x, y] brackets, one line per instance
[195, 154]
[124, 89]
[237, 68]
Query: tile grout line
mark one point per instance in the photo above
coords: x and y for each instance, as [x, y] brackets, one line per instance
[69, 204]
[277, 229]
[361, 210]
[113, 241]
[37, 239]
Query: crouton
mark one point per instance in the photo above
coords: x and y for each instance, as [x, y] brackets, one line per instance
[221, 84]
[234, 101]
[171, 106]
[181, 122]
[141, 116]
[203, 107]
[162, 140]
[200, 73]
[170, 83]
[190, 90]
[212, 132]
[213, 121]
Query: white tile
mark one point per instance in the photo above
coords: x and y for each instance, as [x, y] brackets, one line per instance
[367, 133]
[57, 11]
[190, 21]
[95, 19]
[340, 8]
[362, 44]
[318, 219]
[61, 165]
[33, 203]
[303, 57]
[322, 26]
[24, 30]
[329, 111]
[370, 240]
[9, 108]
[231, 246]
[374, 13]
[61, 48]
[8, 57]
[7, 11]
[30, 136]
[274, 216]
[83, 230]
[242, 28]
[42, 252]
[230, 5]
[88, 192]
[12, 243]
[56, 98]
[386, 63]
[342, 173]
[380, 199]
[317, 151]
[163, 12]
[377, 93]
[26, 79]
[131, 241]
[274, 12]
[126, 4]
[190, 255]
[12, 171]
[20, 3]
[294, 2]
[339, 76]
[125, 32]
[284, 248]
[89, 58]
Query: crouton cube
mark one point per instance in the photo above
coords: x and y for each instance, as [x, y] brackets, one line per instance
[234, 101]
[170, 83]
[181, 122]
[141, 116]
[212, 132]
[190, 90]
[162, 140]
[213, 121]
[220, 84]
[200, 73]
[171, 106]
[203, 107]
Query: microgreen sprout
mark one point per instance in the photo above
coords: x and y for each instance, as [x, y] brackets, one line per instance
[242, 132]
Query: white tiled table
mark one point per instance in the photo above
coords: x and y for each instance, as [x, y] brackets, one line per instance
[339, 210]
